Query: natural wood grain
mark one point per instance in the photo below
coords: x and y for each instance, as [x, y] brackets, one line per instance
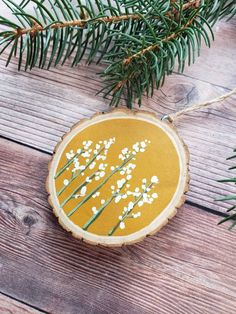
[10, 306]
[186, 266]
[216, 65]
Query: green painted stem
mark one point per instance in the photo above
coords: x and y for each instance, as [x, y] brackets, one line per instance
[99, 186]
[128, 212]
[66, 165]
[84, 183]
[95, 216]
[79, 173]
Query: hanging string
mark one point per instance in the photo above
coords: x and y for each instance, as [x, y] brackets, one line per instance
[175, 115]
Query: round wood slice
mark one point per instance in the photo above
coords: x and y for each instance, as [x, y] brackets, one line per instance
[118, 177]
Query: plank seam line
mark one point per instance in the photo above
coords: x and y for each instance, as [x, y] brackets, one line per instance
[206, 209]
[26, 145]
[201, 80]
[25, 303]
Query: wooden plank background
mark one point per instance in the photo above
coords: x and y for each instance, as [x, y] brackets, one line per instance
[189, 264]
[186, 268]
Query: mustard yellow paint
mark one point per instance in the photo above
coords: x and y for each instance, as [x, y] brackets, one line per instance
[159, 159]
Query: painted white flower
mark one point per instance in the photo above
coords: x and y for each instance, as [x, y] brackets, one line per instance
[95, 194]
[102, 174]
[66, 182]
[94, 210]
[112, 168]
[79, 150]
[121, 157]
[118, 198]
[86, 154]
[97, 178]
[93, 164]
[144, 180]
[120, 183]
[154, 179]
[138, 214]
[102, 202]
[101, 166]
[70, 155]
[129, 177]
[155, 195]
[130, 205]
[120, 217]
[83, 190]
[88, 180]
[122, 225]
[140, 203]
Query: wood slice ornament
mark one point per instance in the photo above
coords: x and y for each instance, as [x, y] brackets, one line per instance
[118, 177]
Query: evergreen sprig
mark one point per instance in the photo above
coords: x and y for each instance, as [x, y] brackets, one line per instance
[232, 209]
[139, 40]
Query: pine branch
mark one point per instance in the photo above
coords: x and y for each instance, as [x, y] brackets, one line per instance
[138, 39]
[232, 209]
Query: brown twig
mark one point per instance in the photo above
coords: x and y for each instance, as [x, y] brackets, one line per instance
[108, 19]
[156, 46]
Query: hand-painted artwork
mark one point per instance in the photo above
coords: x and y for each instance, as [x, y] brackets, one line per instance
[114, 177]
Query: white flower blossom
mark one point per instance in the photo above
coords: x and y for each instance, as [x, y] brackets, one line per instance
[120, 183]
[154, 179]
[101, 166]
[86, 154]
[140, 203]
[122, 225]
[118, 198]
[83, 191]
[102, 174]
[70, 155]
[93, 164]
[130, 205]
[155, 195]
[96, 194]
[66, 182]
[88, 180]
[94, 210]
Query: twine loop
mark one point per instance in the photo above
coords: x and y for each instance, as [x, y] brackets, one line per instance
[175, 115]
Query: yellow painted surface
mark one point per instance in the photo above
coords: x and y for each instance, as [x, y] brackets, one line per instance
[159, 159]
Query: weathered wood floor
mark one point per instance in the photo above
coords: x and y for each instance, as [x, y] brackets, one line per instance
[189, 267]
